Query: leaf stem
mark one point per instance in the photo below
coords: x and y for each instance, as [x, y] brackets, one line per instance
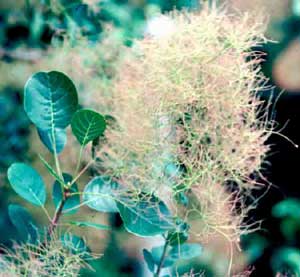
[79, 160]
[55, 218]
[58, 213]
[55, 154]
[162, 259]
[81, 172]
[57, 165]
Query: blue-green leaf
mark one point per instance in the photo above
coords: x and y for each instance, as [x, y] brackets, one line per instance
[149, 260]
[75, 244]
[51, 170]
[286, 258]
[90, 224]
[50, 100]
[185, 251]
[156, 254]
[100, 194]
[180, 234]
[23, 222]
[287, 208]
[28, 183]
[254, 246]
[145, 216]
[71, 205]
[60, 139]
[87, 125]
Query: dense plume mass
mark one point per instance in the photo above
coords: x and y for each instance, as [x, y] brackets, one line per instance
[40, 260]
[189, 119]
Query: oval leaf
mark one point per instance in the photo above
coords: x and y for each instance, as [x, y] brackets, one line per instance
[60, 139]
[51, 170]
[23, 222]
[28, 183]
[287, 208]
[71, 205]
[146, 216]
[156, 254]
[178, 238]
[76, 245]
[50, 100]
[286, 258]
[149, 260]
[99, 194]
[185, 251]
[87, 125]
[180, 235]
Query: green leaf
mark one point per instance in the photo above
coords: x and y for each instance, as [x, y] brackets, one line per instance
[286, 258]
[60, 139]
[149, 260]
[27, 182]
[145, 216]
[23, 222]
[75, 244]
[68, 4]
[51, 170]
[296, 8]
[287, 208]
[90, 224]
[50, 100]
[181, 198]
[177, 238]
[71, 205]
[185, 251]
[111, 122]
[290, 228]
[254, 246]
[179, 235]
[87, 125]
[100, 194]
[156, 254]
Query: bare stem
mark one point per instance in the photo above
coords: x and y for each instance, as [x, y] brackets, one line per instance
[162, 259]
[81, 172]
[58, 213]
[79, 160]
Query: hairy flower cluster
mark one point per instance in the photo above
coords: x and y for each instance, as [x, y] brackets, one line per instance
[188, 117]
[38, 260]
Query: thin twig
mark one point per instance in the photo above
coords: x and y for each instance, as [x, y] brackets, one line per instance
[81, 172]
[58, 212]
[162, 259]
[56, 217]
